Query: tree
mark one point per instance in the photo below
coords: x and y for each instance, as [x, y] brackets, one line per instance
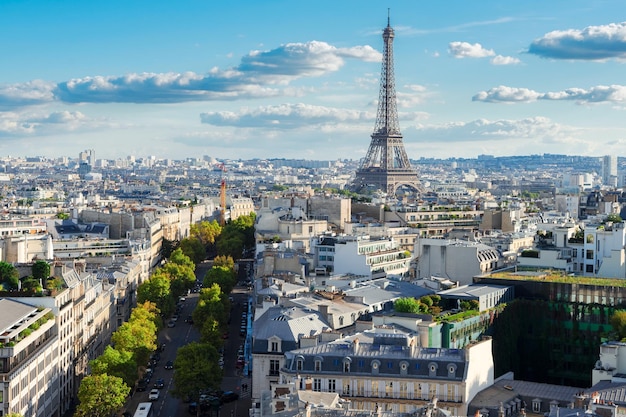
[146, 311]
[137, 337]
[406, 305]
[613, 217]
[182, 278]
[179, 258]
[211, 303]
[210, 333]
[101, 396]
[117, 363]
[167, 247]
[9, 277]
[193, 248]
[196, 370]
[41, 270]
[221, 276]
[618, 321]
[226, 261]
[31, 285]
[232, 246]
[206, 232]
[158, 290]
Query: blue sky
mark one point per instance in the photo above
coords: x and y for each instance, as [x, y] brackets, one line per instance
[300, 79]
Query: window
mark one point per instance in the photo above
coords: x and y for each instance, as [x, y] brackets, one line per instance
[346, 387]
[346, 365]
[589, 254]
[332, 385]
[299, 364]
[274, 347]
[536, 406]
[318, 365]
[317, 384]
[389, 389]
[451, 396]
[403, 389]
[374, 388]
[274, 367]
[589, 268]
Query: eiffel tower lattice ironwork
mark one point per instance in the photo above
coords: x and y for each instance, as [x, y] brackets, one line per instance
[386, 165]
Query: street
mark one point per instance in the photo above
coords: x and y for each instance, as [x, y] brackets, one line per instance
[183, 333]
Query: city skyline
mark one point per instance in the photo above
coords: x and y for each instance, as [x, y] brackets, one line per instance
[301, 80]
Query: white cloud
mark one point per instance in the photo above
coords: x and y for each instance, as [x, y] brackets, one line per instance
[468, 50]
[507, 95]
[591, 43]
[297, 116]
[597, 94]
[25, 94]
[260, 74]
[504, 60]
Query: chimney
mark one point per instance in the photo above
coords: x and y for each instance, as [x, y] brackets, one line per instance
[355, 346]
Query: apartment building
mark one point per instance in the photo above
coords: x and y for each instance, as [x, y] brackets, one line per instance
[360, 255]
[30, 370]
[385, 370]
[457, 260]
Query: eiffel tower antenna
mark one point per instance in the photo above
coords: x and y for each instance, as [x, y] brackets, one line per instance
[386, 165]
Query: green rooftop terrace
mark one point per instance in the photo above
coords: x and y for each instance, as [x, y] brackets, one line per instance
[556, 277]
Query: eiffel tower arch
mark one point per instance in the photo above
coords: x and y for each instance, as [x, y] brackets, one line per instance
[386, 166]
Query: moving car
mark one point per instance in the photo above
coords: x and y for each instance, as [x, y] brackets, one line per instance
[171, 323]
[159, 383]
[169, 365]
[154, 395]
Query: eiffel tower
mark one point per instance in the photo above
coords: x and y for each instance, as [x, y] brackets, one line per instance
[386, 165]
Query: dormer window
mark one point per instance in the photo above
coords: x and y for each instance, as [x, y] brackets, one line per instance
[346, 365]
[375, 366]
[432, 369]
[404, 367]
[274, 344]
[451, 370]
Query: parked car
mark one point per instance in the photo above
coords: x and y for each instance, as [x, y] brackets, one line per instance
[142, 386]
[169, 365]
[229, 396]
[154, 395]
[171, 324]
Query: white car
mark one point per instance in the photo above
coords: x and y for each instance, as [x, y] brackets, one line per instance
[154, 395]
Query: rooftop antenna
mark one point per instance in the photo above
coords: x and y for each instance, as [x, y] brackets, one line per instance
[388, 18]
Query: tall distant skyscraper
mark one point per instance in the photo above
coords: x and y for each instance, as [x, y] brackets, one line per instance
[609, 170]
[386, 165]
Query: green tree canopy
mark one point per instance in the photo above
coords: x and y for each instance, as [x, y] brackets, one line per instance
[193, 248]
[613, 217]
[31, 285]
[211, 333]
[117, 363]
[9, 277]
[101, 396]
[225, 261]
[406, 305]
[618, 321]
[158, 290]
[211, 303]
[41, 270]
[182, 278]
[179, 258]
[206, 232]
[222, 276]
[196, 370]
[137, 337]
